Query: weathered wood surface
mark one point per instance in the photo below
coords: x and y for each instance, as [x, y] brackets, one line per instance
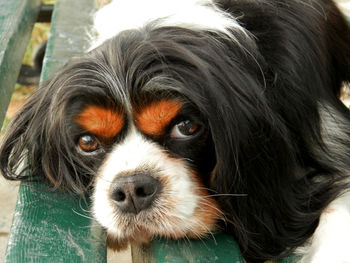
[51, 226]
[220, 248]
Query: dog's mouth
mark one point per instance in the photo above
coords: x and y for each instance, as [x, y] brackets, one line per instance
[145, 226]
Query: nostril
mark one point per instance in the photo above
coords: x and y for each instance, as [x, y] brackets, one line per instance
[119, 196]
[140, 191]
[145, 191]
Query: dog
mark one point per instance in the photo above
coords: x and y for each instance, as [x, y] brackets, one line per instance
[190, 117]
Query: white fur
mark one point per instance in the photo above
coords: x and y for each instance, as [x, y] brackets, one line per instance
[331, 240]
[333, 128]
[133, 154]
[123, 15]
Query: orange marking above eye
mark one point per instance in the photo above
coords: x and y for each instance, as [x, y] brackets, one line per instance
[154, 118]
[102, 122]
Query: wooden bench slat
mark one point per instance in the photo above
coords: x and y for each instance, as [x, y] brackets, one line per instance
[17, 18]
[69, 34]
[51, 225]
[220, 248]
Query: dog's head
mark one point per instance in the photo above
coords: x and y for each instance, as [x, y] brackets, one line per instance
[154, 120]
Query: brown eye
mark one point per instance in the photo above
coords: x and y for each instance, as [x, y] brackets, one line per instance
[184, 129]
[88, 143]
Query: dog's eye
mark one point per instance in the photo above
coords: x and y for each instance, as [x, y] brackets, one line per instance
[88, 143]
[184, 129]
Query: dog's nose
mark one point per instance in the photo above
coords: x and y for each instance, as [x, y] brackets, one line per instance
[134, 193]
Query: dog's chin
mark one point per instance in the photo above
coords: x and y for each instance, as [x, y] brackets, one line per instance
[143, 227]
[138, 237]
[142, 236]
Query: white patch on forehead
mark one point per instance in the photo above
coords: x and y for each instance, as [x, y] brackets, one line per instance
[123, 15]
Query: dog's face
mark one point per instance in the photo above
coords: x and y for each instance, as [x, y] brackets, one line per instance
[136, 118]
[156, 160]
[144, 129]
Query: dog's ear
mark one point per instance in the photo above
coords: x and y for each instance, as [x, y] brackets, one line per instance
[255, 162]
[38, 143]
[266, 174]
[21, 147]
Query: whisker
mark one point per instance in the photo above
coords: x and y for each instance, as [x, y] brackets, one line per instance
[90, 226]
[86, 216]
[234, 195]
[218, 194]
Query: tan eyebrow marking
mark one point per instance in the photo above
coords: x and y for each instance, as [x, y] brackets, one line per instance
[102, 122]
[154, 118]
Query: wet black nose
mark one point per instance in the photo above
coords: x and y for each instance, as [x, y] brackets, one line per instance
[134, 193]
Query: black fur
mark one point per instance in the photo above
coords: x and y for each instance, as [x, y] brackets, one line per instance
[260, 97]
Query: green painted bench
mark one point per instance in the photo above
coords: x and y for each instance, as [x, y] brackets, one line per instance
[47, 225]
[50, 226]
